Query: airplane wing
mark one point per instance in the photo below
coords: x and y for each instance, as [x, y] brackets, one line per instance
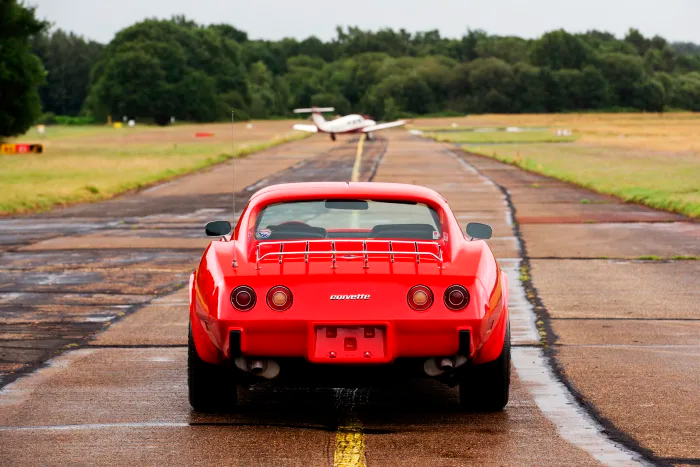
[306, 128]
[384, 126]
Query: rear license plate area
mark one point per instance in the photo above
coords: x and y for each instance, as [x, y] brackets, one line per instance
[349, 344]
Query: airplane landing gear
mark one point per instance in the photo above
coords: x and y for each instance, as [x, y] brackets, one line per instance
[370, 136]
[332, 136]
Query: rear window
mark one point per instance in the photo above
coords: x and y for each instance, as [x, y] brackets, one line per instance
[347, 218]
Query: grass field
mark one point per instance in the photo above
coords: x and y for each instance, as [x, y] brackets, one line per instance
[96, 162]
[500, 137]
[646, 158]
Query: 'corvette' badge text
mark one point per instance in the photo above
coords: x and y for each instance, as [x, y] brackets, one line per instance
[350, 297]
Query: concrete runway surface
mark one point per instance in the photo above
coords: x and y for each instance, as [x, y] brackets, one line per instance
[606, 347]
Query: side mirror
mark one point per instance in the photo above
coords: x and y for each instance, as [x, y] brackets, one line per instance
[217, 228]
[479, 231]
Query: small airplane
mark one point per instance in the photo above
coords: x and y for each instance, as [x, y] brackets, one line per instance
[353, 123]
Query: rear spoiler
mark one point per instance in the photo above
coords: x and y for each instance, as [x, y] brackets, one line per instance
[333, 252]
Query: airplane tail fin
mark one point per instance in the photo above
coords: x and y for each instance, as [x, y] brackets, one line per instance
[316, 114]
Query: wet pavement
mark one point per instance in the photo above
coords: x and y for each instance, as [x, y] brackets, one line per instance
[67, 274]
[621, 313]
[119, 396]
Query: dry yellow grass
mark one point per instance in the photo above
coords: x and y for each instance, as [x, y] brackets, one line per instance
[671, 132]
[96, 162]
[652, 159]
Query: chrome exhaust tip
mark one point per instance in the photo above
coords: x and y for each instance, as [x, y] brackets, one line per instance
[265, 368]
[257, 367]
[436, 366]
[446, 364]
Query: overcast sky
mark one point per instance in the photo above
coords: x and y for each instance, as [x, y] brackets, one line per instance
[676, 20]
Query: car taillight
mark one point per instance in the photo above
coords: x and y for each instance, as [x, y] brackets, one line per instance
[243, 298]
[456, 297]
[279, 298]
[420, 297]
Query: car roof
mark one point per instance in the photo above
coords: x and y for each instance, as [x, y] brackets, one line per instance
[309, 190]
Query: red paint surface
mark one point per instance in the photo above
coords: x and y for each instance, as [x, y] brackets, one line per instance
[400, 330]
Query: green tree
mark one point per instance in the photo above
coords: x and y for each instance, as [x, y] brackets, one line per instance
[464, 50]
[403, 93]
[332, 99]
[152, 69]
[581, 90]
[659, 60]
[687, 94]
[263, 99]
[508, 49]
[134, 84]
[569, 86]
[687, 63]
[315, 47]
[624, 73]
[229, 32]
[651, 96]
[491, 83]
[594, 89]
[430, 43]
[416, 96]
[386, 73]
[529, 94]
[68, 60]
[21, 71]
[640, 43]
[559, 49]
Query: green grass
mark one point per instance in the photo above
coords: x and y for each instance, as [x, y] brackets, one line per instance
[676, 258]
[54, 132]
[660, 180]
[524, 274]
[86, 168]
[500, 137]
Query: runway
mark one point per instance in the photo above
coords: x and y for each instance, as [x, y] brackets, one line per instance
[606, 352]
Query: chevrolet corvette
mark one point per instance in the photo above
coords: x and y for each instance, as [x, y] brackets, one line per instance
[343, 284]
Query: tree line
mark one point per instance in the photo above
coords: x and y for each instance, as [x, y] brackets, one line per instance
[158, 69]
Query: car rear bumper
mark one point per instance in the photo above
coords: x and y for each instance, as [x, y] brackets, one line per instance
[345, 342]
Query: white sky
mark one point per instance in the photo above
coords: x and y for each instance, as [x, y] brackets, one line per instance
[676, 20]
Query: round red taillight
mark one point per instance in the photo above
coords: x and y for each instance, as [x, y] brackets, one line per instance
[420, 297]
[456, 297]
[243, 298]
[279, 298]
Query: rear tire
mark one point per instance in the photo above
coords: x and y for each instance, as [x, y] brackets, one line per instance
[487, 386]
[212, 388]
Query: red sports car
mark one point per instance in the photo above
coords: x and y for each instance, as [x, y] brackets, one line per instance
[348, 284]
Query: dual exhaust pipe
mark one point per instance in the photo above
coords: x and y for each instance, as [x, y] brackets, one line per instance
[269, 369]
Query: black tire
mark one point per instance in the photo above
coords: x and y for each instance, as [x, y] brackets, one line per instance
[486, 387]
[212, 388]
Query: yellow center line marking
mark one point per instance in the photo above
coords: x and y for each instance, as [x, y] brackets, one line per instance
[355, 177]
[349, 446]
[358, 160]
